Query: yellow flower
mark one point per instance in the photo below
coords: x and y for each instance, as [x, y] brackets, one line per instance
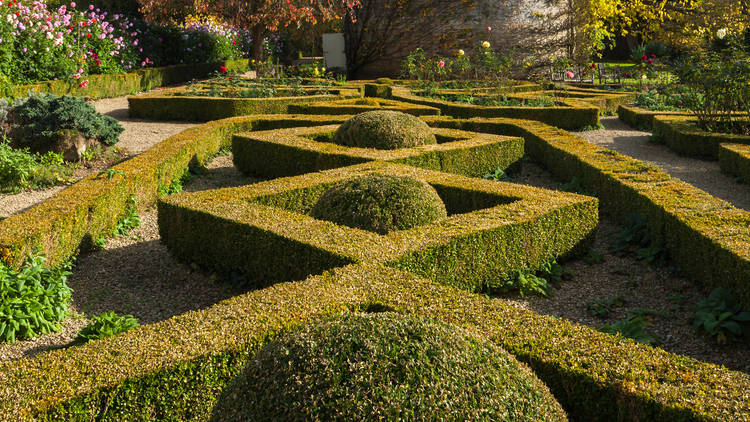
[252, 61]
[322, 69]
[461, 52]
[486, 44]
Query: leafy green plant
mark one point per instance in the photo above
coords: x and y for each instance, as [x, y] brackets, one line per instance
[110, 173]
[575, 185]
[553, 272]
[602, 308]
[20, 169]
[33, 300]
[593, 257]
[722, 317]
[129, 220]
[100, 242]
[529, 282]
[498, 175]
[175, 186]
[105, 325]
[633, 327]
[635, 239]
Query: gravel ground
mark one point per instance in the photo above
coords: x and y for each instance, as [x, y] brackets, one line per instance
[669, 299]
[139, 135]
[136, 275]
[702, 174]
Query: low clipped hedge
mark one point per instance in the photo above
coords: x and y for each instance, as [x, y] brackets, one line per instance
[71, 219]
[608, 102]
[264, 231]
[176, 369]
[641, 118]
[735, 160]
[708, 238]
[115, 85]
[682, 135]
[362, 105]
[298, 151]
[164, 106]
[344, 369]
[575, 115]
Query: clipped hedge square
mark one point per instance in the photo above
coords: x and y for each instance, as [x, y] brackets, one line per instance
[291, 152]
[263, 231]
[361, 105]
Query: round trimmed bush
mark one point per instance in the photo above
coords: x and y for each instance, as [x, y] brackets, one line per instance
[385, 366]
[384, 129]
[380, 203]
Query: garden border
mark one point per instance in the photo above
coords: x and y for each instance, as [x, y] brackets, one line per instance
[91, 207]
[162, 106]
[706, 236]
[119, 84]
[177, 368]
[641, 118]
[290, 152]
[264, 231]
[682, 135]
[578, 115]
[337, 107]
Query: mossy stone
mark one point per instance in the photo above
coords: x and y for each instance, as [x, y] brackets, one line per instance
[380, 203]
[385, 130]
[385, 366]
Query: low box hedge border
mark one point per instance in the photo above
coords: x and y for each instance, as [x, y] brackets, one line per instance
[682, 135]
[176, 369]
[71, 219]
[384, 90]
[352, 107]
[576, 115]
[641, 118]
[708, 238]
[291, 152]
[734, 159]
[263, 230]
[163, 106]
[115, 85]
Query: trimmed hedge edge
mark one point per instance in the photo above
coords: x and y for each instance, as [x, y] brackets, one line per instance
[682, 135]
[176, 369]
[734, 159]
[575, 115]
[115, 85]
[641, 118]
[707, 237]
[75, 217]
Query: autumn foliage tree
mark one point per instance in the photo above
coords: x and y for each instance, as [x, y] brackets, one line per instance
[259, 16]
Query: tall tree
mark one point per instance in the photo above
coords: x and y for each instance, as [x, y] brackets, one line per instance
[259, 16]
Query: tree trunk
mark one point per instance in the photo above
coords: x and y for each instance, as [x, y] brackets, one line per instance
[258, 33]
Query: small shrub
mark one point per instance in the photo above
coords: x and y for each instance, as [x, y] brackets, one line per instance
[33, 300]
[130, 220]
[603, 307]
[635, 239]
[36, 121]
[633, 327]
[722, 317]
[105, 325]
[385, 366]
[537, 283]
[498, 175]
[175, 186]
[384, 129]
[380, 203]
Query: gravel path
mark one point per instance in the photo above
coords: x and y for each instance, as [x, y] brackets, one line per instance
[702, 174]
[139, 135]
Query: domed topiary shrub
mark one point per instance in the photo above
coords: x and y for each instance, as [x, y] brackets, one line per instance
[380, 203]
[385, 367]
[384, 129]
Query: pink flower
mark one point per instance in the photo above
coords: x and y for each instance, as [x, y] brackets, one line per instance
[650, 61]
[83, 84]
[644, 58]
[441, 64]
[489, 28]
[222, 69]
[570, 74]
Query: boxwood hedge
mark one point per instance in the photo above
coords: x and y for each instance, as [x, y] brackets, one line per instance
[682, 134]
[297, 151]
[264, 230]
[735, 160]
[176, 369]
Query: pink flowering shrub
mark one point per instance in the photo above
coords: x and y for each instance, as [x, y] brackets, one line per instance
[38, 44]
